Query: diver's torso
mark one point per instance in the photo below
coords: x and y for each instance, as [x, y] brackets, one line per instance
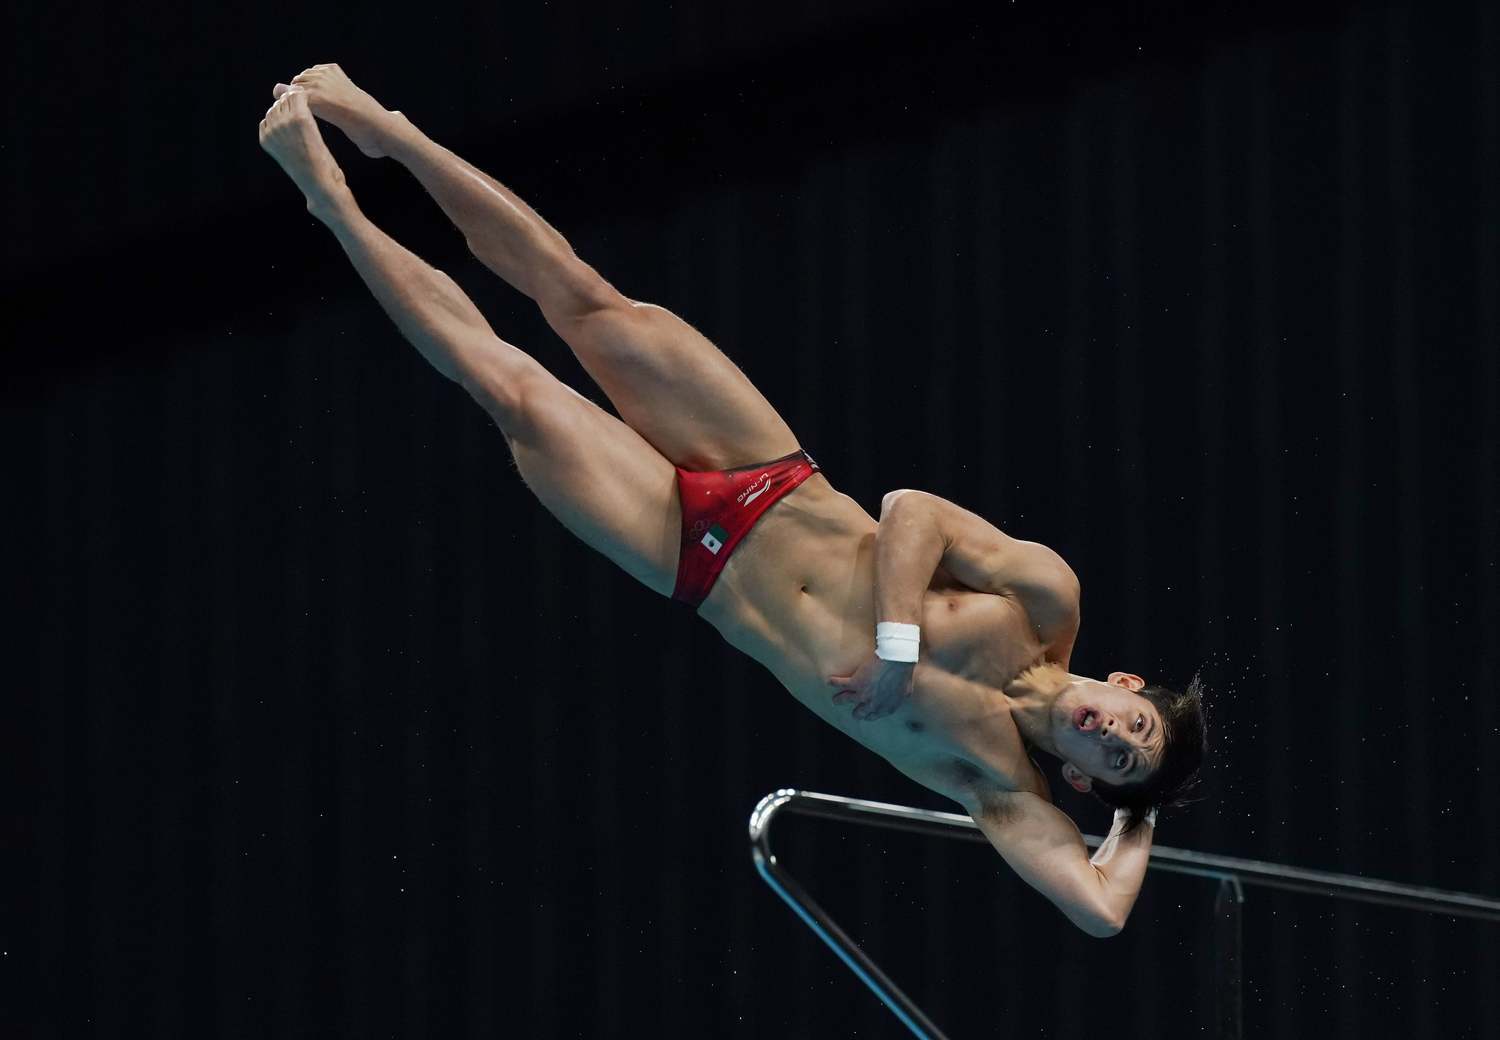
[798, 595]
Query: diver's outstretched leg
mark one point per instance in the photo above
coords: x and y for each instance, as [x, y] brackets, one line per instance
[593, 472]
[666, 379]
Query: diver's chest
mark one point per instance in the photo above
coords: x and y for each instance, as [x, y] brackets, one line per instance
[958, 739]
[982, 638]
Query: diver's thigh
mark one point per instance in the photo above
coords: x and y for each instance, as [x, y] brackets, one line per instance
[602, 480]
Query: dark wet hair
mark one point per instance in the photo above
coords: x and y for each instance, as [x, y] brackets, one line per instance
[1175, 780]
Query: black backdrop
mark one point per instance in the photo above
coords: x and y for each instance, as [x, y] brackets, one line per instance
[324, 727]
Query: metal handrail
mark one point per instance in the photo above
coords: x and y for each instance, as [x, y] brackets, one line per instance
[1231, 872]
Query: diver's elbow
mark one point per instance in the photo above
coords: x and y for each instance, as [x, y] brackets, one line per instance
[1102, 926]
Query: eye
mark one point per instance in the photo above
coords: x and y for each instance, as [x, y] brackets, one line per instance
[1140, 723]
[1120, 761]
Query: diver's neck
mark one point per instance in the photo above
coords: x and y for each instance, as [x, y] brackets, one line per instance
[1032, 695]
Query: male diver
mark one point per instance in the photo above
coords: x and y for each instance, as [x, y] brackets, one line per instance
[701, 492]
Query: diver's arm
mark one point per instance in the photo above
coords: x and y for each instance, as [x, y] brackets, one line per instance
[918, 532]
[908, 548]
[983, 557]
[1045, 847]
[1121, 861]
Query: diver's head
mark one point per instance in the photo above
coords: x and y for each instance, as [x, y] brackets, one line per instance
[1135, 746]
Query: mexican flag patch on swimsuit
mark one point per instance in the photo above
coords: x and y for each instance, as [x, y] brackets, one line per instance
[714, 539]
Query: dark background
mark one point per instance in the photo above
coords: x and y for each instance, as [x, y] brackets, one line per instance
[323, 727]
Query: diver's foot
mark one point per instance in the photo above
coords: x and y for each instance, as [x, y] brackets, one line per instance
[291, 135]
[332, 95]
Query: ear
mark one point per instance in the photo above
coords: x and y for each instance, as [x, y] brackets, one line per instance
[1073, 775]
[1133, 683]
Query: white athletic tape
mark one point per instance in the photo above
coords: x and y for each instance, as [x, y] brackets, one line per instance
[895, 641]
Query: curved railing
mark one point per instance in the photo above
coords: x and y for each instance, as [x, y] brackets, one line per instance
[1232, 873]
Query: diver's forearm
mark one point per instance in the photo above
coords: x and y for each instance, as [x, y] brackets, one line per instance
[1121, 862]
[504, 233]
[429, 308]
[908, 549]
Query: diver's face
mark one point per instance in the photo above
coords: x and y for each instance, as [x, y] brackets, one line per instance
[1106, 731]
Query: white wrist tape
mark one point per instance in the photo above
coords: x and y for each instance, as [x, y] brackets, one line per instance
[895, 641]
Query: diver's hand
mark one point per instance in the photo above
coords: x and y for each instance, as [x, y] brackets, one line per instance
[876, 689]
[1122, 817]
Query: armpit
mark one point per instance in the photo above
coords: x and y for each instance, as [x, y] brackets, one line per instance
[998, 801]
[994, 804]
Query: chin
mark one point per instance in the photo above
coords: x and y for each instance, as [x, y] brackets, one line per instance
[1067, 701]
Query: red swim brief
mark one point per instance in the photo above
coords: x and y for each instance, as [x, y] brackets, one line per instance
[718, 510]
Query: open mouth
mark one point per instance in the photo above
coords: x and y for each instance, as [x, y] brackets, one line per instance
[1086, 719]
